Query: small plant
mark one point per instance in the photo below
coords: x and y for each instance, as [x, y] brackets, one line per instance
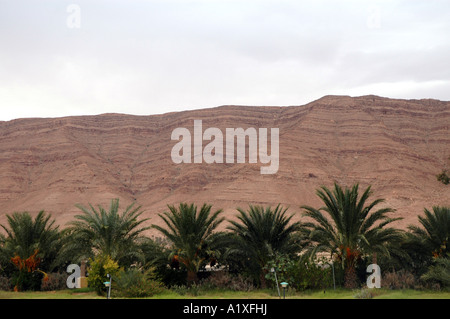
[226, 281]
[193, 289]
[364, 293]
[180, 289]
[443, 177]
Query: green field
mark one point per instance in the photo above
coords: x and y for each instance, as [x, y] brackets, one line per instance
[224, 294]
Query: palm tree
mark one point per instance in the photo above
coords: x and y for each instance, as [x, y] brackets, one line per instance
[97, 231]
[31, 245]
[433, 237]
[191, 234]
[347, 228]
[261, 233]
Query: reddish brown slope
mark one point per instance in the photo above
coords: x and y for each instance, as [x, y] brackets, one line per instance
[397, 146]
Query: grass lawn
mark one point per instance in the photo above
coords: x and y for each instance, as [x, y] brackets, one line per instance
[413, 294]
[377, 294]
[60, 294]
[224, 294]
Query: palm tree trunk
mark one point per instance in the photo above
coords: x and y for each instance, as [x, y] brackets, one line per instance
[350, 278]
[262, 278]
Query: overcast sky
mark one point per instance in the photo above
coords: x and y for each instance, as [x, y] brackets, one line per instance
[60, 58]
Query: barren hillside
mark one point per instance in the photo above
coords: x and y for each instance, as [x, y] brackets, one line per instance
[397, 146]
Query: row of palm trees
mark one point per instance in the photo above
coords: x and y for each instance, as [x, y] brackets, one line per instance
[348, 228]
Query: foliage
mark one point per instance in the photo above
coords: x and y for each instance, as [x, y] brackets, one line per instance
[5, 283]
[443, 177]
[26, 277]
[97, 231]
[425, 242]
[434, 235]
[29, 249]
[260, 233]
[134, 283]
[364, 293]
[25, 236]
[218, 281]
[347, 228]
[191, 234]
[158, 256]
[312, 274]
[54, 281]
[280, 268]
[301, 273]
[34, 252]
[193, 289]
[439, 272]
[226, 281]
[100, 267]
[398, 280]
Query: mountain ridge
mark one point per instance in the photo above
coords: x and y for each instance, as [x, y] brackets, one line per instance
[397, 146]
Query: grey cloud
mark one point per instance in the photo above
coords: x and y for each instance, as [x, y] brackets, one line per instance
[149, 57]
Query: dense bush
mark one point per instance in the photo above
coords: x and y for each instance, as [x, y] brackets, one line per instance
[439, 272]
[134, 283]
[158, 256]
[54, 281]
[25, 281]
[99, 268]
[398, 280]
[312, 274]
[225, 280]
[217, 280]
[301, 274]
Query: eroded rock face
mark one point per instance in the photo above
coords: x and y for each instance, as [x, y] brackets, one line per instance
[397, 146]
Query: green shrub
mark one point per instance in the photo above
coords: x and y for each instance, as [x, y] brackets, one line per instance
[26, 281]
[193, 289]
[100, 267]
[180, 289]
[439, 272]
[311, 274]
[443, 177]
[301, 274]
[284, 268]
[134, 283]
